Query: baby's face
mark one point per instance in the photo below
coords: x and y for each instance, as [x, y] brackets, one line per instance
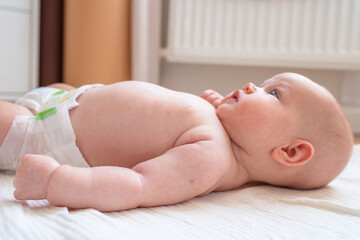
[266, 115]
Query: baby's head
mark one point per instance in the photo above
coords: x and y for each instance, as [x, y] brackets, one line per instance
[288, 132]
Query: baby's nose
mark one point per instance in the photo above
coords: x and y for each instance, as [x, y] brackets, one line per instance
[249, 88]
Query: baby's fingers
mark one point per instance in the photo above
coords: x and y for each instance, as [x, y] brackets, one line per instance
[216, 103]
[207, 93]
[212, 97]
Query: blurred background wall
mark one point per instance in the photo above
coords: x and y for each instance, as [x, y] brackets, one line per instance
[85, 41]
[106, 41]
[185, 65]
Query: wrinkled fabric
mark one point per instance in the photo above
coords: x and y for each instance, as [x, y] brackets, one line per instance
[251, 212]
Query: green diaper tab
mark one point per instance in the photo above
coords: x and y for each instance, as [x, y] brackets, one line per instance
[45, 114]
[61, 91]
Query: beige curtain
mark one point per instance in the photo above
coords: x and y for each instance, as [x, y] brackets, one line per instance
[96, 41]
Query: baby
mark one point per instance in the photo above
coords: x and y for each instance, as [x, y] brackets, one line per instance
[149, 146]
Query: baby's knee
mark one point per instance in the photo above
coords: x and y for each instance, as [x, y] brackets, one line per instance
[8, 112]
[65, 86]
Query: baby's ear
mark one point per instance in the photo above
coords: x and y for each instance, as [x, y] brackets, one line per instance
[297, 153]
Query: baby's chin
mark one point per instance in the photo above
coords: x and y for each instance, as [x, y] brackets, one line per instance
[218, 114]
[220, 111]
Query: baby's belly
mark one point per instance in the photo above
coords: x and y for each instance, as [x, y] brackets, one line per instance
[105, 152]
[108, 142]
[124, 135]
[128, 123]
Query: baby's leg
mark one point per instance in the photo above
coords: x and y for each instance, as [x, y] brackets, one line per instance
[8, 112]
[65, 86]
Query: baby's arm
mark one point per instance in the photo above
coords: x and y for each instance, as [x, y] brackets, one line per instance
[32, 176]
[212, 97]
[180, 174]
[103, 188]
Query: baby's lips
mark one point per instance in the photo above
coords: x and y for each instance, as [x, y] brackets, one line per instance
[236, 95]
[233, 97]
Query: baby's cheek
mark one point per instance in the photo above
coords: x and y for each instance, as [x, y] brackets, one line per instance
[257, 119]
[272, 125]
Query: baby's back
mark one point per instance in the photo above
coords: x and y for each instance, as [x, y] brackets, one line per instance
[130, 122]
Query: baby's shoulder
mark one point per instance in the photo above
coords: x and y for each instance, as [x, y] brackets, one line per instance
[211, 138]
[211, 149]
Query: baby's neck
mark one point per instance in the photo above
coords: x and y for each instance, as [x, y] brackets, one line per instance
[241, 156]
[239, 174]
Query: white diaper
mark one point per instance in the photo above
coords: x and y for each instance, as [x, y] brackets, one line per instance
[49, 132]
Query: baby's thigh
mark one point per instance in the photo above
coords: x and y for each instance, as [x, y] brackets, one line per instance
[8, 112]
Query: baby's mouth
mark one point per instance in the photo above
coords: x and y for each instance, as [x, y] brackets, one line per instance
[236, 95]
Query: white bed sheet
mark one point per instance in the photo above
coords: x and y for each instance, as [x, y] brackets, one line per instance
[253, 212]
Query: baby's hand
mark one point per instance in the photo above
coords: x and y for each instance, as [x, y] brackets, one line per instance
[32, 177]
[212, 97]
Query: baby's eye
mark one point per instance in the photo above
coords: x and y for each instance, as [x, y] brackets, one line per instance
[275, 93]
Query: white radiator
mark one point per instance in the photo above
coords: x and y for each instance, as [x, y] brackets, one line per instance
[286, 33]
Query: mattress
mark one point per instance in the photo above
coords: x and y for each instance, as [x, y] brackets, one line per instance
[251, 212]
